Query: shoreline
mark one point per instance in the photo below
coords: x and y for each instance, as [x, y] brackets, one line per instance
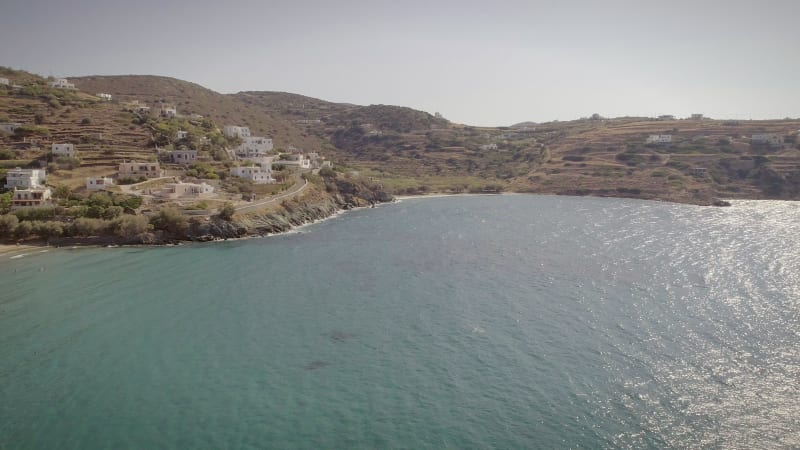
[14, 251]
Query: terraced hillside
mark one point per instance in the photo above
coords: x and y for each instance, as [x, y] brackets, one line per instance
[409, 151]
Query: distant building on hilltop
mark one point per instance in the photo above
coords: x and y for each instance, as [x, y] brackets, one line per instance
[106, 97]
[31, 197]
[696, 116]
[98, 183]
[184, 157]
[666, 117]
[25, 178]
[256, 174]
[769, 139]
[659, 139]
[4, 81]
[9, 127]
[67, 150]
[140, 169]
[179, 189]
[233, 131]
[61, 83]
[168, 110]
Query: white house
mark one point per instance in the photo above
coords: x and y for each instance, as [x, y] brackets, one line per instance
[61, 83]
[185, 157]
[67, 150]
[106, 97]
[168, 111]
[659, 139]
[233, 131]
[180, 134]
[4, 81]
[25, 178]
[31, 197]
[179, 189]
[256, 174]
[254, 146]
[486, 147]
[98, 183]
[770, 139]
[9, 127]
[140, 169]
[294, 160]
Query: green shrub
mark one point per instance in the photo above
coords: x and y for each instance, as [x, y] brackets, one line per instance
[129, 226]
[171, 221]
[8, 224]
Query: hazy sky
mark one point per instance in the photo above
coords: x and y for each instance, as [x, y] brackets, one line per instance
[483, 63]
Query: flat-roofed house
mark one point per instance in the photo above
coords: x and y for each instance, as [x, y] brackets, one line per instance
[769, 139]
[256, 174]
[61, 83]
[31, 197]
[98, 183]
[25, 178]
[659, 139]
[67, 150]
[233, 131]
[140, 169]
[184, 157]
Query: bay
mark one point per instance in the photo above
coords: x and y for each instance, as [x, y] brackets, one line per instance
[509, 321]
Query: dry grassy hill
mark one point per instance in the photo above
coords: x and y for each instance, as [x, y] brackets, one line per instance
[411, 151]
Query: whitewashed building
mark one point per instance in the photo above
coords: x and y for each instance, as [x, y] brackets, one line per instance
[9, 127]
[254, 146]
[4, 81]
[180, 134]
[233, 131]
[25, 178]
[61, 83]
[140, 169]
[184, 157]
[168, 111]
[179, 190]
[66, 150]
[770, 139]
[31, 197]
[659, 139]
[256, 174]
[106, 97]
[98, 183]
[294, 160]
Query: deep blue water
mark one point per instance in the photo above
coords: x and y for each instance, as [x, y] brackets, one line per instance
[467, 322]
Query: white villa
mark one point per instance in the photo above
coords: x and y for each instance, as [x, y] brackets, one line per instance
[184, 157]
[770, 139]
[180, 134]
[233, 131]
[168, 110]
[25, 178]
[179, 189]
[67, 150]
[9, 127]
[254, 146]
[4, 81]
[98, 183]
[106, 97]
[140, 169]
[256, 174]
[61, 83]
[296, 160]
[31, 197]
[659, 139]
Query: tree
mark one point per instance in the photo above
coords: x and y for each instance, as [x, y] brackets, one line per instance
[8, 224]
[226, 212]
[129, 226]
[170, 220]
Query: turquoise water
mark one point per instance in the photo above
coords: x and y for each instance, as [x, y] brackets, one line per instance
[469, 322]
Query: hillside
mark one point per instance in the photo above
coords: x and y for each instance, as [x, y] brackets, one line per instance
[410, 151]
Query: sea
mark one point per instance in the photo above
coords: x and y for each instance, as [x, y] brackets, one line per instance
[469, 322]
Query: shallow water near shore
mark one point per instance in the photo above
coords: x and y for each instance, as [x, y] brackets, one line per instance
[463, 322]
